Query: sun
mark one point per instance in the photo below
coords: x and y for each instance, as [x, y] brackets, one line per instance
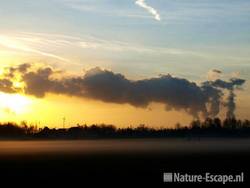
[14, 103]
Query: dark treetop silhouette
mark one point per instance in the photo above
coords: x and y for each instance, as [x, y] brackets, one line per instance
[229, 127]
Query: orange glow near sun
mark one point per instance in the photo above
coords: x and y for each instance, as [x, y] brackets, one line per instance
[14, 103]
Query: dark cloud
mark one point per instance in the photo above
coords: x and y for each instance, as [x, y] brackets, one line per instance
[23, 67]
[217, 71]
[6, 86]
[175, 93]
[11, 71]
[179, 94]
[234, 82]
[38, 83]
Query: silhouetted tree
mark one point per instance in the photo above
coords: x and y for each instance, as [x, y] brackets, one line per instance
[208, 127]
[195, 124]
[246, 124]
[216, 123]
[11, 130]
[177, 126]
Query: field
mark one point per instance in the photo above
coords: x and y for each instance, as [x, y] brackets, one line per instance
[124, 161]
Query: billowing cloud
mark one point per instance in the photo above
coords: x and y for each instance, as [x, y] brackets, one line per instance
[176, 93]
[150, 9]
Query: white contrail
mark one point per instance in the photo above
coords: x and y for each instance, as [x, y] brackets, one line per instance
[150, 9]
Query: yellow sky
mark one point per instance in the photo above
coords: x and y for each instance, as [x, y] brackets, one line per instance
[51, 110]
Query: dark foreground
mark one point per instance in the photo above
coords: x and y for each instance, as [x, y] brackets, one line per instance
[119, 162]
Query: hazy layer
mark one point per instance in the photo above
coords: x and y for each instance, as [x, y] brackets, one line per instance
[171, 146]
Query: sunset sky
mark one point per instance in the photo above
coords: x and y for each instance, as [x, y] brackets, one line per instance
[64, 41]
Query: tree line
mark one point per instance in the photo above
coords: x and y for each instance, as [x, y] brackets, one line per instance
[210, 127]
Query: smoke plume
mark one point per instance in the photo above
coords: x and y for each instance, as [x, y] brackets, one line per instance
[231, 85]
